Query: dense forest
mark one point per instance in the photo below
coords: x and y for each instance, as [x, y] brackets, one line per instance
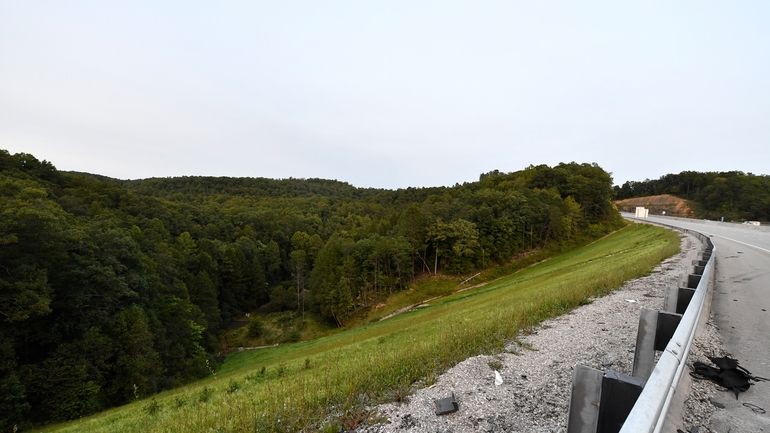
[733, 194]
[111, 290]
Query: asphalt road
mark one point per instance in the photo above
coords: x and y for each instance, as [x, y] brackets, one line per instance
[741, 307]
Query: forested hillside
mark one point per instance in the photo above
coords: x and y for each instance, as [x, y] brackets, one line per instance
[111, 290]
[733, 194]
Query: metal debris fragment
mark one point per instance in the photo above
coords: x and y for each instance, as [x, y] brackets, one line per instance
[446, 405]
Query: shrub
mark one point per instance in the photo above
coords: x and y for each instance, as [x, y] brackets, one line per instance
[293, 336]
[205, 395]
[180, 401]
[233, 386]
[152, 408]
[256, 328]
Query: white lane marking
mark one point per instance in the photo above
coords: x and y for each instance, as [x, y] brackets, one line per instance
[743, 243]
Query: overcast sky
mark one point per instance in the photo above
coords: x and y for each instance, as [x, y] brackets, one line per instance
[386, 93]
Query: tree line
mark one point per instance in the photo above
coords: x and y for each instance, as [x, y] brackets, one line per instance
[731, 194]
[113, 290]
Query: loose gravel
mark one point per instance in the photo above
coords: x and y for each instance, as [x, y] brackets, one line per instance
[702, 400]
[537, 367]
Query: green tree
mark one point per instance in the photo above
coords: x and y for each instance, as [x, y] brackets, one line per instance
[458, 242]
[137, 367]
[304, 248]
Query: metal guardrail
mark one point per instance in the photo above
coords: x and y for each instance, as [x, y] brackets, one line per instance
[649, 412]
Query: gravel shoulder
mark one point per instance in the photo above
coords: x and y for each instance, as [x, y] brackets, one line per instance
[702, 400]
[537, 367]
[709, 408]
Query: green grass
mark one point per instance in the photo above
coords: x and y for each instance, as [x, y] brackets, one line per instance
[425, 288]
[328, 381]
[281, 327]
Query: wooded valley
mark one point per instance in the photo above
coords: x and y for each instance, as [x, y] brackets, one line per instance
[112, 290]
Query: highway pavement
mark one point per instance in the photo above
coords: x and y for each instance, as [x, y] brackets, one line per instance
[741, 308]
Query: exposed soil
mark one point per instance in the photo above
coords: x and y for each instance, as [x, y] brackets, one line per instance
[657, 204]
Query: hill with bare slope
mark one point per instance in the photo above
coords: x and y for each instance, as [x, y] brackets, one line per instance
[657, 204]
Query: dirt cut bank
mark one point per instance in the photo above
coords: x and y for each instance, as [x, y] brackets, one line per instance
[663, 204]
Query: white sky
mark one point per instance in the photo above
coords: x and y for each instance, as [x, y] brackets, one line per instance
[386, 93]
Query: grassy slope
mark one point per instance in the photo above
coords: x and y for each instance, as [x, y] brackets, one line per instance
[280, 327]
[302, 384]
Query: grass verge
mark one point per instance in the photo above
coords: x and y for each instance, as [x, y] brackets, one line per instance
[328, 382]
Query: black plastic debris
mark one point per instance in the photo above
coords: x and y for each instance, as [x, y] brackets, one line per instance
[446, 405]
[727, 374]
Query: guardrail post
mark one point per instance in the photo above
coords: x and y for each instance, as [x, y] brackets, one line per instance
[692, 281]
[684, 295]
[644, 352]
[670, 299]
[677, 299]
[654, 332]
[619, 394]
[584, 400]
[600, 401]
[665, 328]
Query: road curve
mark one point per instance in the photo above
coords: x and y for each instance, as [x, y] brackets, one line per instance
[741, 308]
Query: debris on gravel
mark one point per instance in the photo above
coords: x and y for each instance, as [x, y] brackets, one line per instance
[537, 367]
[701, 403]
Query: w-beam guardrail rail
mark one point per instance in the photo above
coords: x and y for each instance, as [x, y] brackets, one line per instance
[612, 402]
